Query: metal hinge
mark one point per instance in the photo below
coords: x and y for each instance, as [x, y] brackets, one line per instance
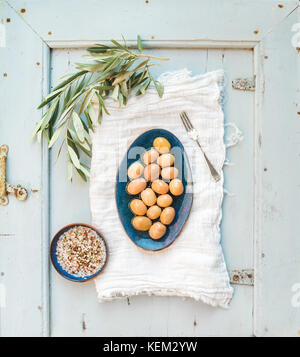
[5, 188]
[242, 277]
[246, 84]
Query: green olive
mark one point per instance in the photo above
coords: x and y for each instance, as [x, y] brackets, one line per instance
[141, 223]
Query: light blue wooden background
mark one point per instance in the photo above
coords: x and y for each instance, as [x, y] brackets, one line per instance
[259, 228]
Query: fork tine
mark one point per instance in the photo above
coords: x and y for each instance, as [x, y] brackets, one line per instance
[183, 121]
[186, 122]
[190, 125]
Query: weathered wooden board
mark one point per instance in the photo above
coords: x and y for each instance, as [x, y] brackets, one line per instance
[22, 238]
[75, 21]
[72, 304]
[278, 197]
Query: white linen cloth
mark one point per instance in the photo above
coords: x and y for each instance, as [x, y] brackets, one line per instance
[193, 266]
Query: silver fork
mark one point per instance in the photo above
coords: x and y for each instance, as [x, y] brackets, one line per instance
[192, 133]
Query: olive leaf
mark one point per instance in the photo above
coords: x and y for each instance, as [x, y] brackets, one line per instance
[84, 146]
[115, 93]
[89, 120]
[70, 142]
[70, 170]
[101, 102]
[74, 158]
[39, 136]
[144, 87]
[84, 170]
[159, 88]
[81, 174]
[92, 115]
[139, 43]
[50, 97]
[97, 67]
[55, 136]
[78, 126]
[120, 46]
[114, 70]
[124, 89]
[70, 79]
[44, 121]
[88, 97]
[121, 100]
[121, 78]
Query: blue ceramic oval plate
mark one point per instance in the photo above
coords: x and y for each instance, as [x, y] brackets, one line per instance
[182, 204]
[59, 268]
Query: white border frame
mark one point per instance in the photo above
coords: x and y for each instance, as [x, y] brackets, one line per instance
[265, 323]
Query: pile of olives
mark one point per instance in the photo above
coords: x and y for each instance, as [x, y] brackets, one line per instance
[160, 175]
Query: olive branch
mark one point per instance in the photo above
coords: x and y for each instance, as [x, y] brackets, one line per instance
[115, 72]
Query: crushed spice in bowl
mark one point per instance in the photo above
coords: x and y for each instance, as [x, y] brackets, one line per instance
[78, 252]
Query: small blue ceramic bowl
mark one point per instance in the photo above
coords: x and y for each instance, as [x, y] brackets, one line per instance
[58, 267]
[182, 204]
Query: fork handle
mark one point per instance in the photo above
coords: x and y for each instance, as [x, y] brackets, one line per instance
[214, 173]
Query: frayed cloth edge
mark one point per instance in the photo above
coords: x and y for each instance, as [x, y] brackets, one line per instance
[222, 301]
